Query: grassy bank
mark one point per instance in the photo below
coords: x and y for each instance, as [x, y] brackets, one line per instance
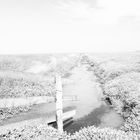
[35, 130]
[21, 85]
[120, 81]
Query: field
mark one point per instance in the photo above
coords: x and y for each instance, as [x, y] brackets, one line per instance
[107, 87]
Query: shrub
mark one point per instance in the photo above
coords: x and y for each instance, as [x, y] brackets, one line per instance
[120, 82]
[12, 111]
[16, 85]
[132, 121]
[13, 63]
[38, 131]
[124, 91]
[32, 131]
[92, 133]
[109, 70]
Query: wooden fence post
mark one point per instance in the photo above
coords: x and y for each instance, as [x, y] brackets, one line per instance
[59, 103]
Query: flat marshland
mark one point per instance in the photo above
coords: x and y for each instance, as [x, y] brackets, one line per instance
[93, 78]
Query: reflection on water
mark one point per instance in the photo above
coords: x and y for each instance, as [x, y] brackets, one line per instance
[103, 116]
[111, 119]
[90, 109]
[92, 118]
[87, 90]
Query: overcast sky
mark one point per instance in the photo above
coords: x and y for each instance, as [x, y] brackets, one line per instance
[44, 26]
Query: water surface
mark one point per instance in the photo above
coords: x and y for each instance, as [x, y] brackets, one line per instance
[91, 110]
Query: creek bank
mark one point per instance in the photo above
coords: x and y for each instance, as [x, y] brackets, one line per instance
[91, 110]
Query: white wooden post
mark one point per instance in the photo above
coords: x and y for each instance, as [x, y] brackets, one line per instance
[59, 104]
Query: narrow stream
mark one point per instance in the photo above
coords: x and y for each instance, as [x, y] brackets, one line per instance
[90, 109]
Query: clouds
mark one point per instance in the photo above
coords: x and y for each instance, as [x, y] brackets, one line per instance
[98, 11]
[109, 10]
[116, 9]
[69, 25]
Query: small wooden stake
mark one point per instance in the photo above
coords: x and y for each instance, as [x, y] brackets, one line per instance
[59, 104]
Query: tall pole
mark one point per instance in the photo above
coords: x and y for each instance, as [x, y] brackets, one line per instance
[59, 104]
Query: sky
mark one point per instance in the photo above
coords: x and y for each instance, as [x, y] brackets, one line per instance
[53, 26]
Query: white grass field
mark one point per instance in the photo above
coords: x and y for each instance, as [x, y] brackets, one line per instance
[30, 81]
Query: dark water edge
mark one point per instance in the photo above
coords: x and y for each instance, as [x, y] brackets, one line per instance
[94, 118]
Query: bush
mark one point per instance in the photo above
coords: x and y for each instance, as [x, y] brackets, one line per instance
[93, 133]
[12, 111]
[13, 63]
[106, 71]
[32, 131]
[43, 131]
[120, 82]
[18, 85]
[132, 121]
[124, 91]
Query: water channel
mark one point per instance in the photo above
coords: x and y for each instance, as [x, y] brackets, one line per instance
[91, 110]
